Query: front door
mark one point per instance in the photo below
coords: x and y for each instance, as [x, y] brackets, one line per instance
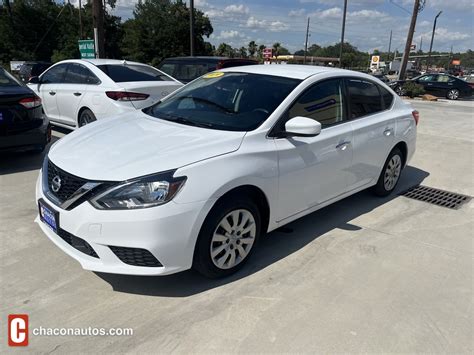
[313, 170]
[71, 92]
[47, 90]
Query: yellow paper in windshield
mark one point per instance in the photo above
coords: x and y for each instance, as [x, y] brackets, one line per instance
[216, 74]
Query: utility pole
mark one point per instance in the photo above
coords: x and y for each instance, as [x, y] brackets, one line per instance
[406, 53]
[432, 38]
[191, 26]
[306, 42]
[342, 33]
[81, 32]
[421, 43]
[389, 45]
[98, 22]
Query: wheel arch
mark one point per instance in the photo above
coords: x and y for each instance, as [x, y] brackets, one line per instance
[256, 194]
[404, 149]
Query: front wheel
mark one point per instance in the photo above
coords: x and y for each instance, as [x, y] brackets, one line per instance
[400, 90]
[227, 238]
[453, 94]
[390, 174]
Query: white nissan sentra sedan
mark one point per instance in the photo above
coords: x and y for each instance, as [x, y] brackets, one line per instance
[197, 179]
[76, 92]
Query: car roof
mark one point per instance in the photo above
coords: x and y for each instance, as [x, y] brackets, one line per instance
[285, 70]
[197, 57]
[102, 61]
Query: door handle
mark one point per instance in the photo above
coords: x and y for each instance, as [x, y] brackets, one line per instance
[52, 93]
[77, 93]
[387, 132]
[343, 145]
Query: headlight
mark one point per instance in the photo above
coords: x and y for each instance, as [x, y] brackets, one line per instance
[148, 191]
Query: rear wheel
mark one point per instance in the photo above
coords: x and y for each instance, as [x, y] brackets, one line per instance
[227, 238]
[400, 90]
[453, 94]
[390, 174]
[86, 117]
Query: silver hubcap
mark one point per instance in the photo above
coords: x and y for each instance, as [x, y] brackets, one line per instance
[233, 239]
[453, 94]
[392, 173]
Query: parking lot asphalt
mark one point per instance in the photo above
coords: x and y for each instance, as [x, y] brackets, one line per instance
[363, 275]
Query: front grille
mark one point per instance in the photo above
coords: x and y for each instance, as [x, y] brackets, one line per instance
[135, 256]
[437, 197]
[69, 182]
[77, 243]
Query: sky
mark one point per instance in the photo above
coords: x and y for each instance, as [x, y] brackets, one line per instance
[368, 22]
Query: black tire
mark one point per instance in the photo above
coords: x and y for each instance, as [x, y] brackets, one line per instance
[202, 261]
[453, 94]
[86, 117]
[382, 188]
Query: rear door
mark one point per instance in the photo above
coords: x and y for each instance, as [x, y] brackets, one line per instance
[429, 83]
[70, 93]
[373, 124]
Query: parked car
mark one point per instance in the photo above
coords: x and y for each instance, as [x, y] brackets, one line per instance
[22, 123]
[442, 85]
[186, 69]
[32, 69]
[196, 179]
[79, 91]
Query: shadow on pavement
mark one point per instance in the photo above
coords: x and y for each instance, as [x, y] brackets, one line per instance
[273, 247]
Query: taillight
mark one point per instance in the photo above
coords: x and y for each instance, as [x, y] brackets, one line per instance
[30, 102]
[126, 96]
[416, 116]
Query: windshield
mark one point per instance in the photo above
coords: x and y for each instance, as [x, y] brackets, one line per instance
[225, 101]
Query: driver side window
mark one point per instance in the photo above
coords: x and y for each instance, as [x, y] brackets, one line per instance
[54, 75]
[322, 102]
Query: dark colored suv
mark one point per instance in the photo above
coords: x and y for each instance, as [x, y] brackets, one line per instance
[186, 69]
[31, 69]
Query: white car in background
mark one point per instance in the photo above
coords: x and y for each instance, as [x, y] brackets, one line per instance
[78, 91]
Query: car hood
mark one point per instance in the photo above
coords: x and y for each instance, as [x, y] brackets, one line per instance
[133, 145]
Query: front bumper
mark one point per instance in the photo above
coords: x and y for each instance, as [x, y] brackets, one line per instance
[168, 232]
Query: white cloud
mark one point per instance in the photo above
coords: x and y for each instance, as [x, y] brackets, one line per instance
[272, 26]
[332, 13]
[237, 9]
[464, 5]
[229, 34]
[296, 13]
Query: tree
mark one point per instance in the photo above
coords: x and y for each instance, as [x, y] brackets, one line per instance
[225, 50]
[276, 49]
[160, 29]
[252, 47]
[260, 51]
[243, 52]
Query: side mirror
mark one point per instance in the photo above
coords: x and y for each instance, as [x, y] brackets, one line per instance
[34, 80]
[300, 126]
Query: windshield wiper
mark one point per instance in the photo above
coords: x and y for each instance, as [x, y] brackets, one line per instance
[206, 101]
[188, 122]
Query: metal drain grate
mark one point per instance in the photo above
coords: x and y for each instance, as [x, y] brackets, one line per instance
[437, 197]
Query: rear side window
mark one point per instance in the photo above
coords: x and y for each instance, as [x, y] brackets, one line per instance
[364, 98]
[55, 74]
[79, 74]
[129, 72]
[322, 102]
[387, 97]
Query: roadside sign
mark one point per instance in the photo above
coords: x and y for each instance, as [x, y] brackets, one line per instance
[456, 62]
[16, 64]
[375, 59]
[267, 53]
[413, 48]
[87, 49]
